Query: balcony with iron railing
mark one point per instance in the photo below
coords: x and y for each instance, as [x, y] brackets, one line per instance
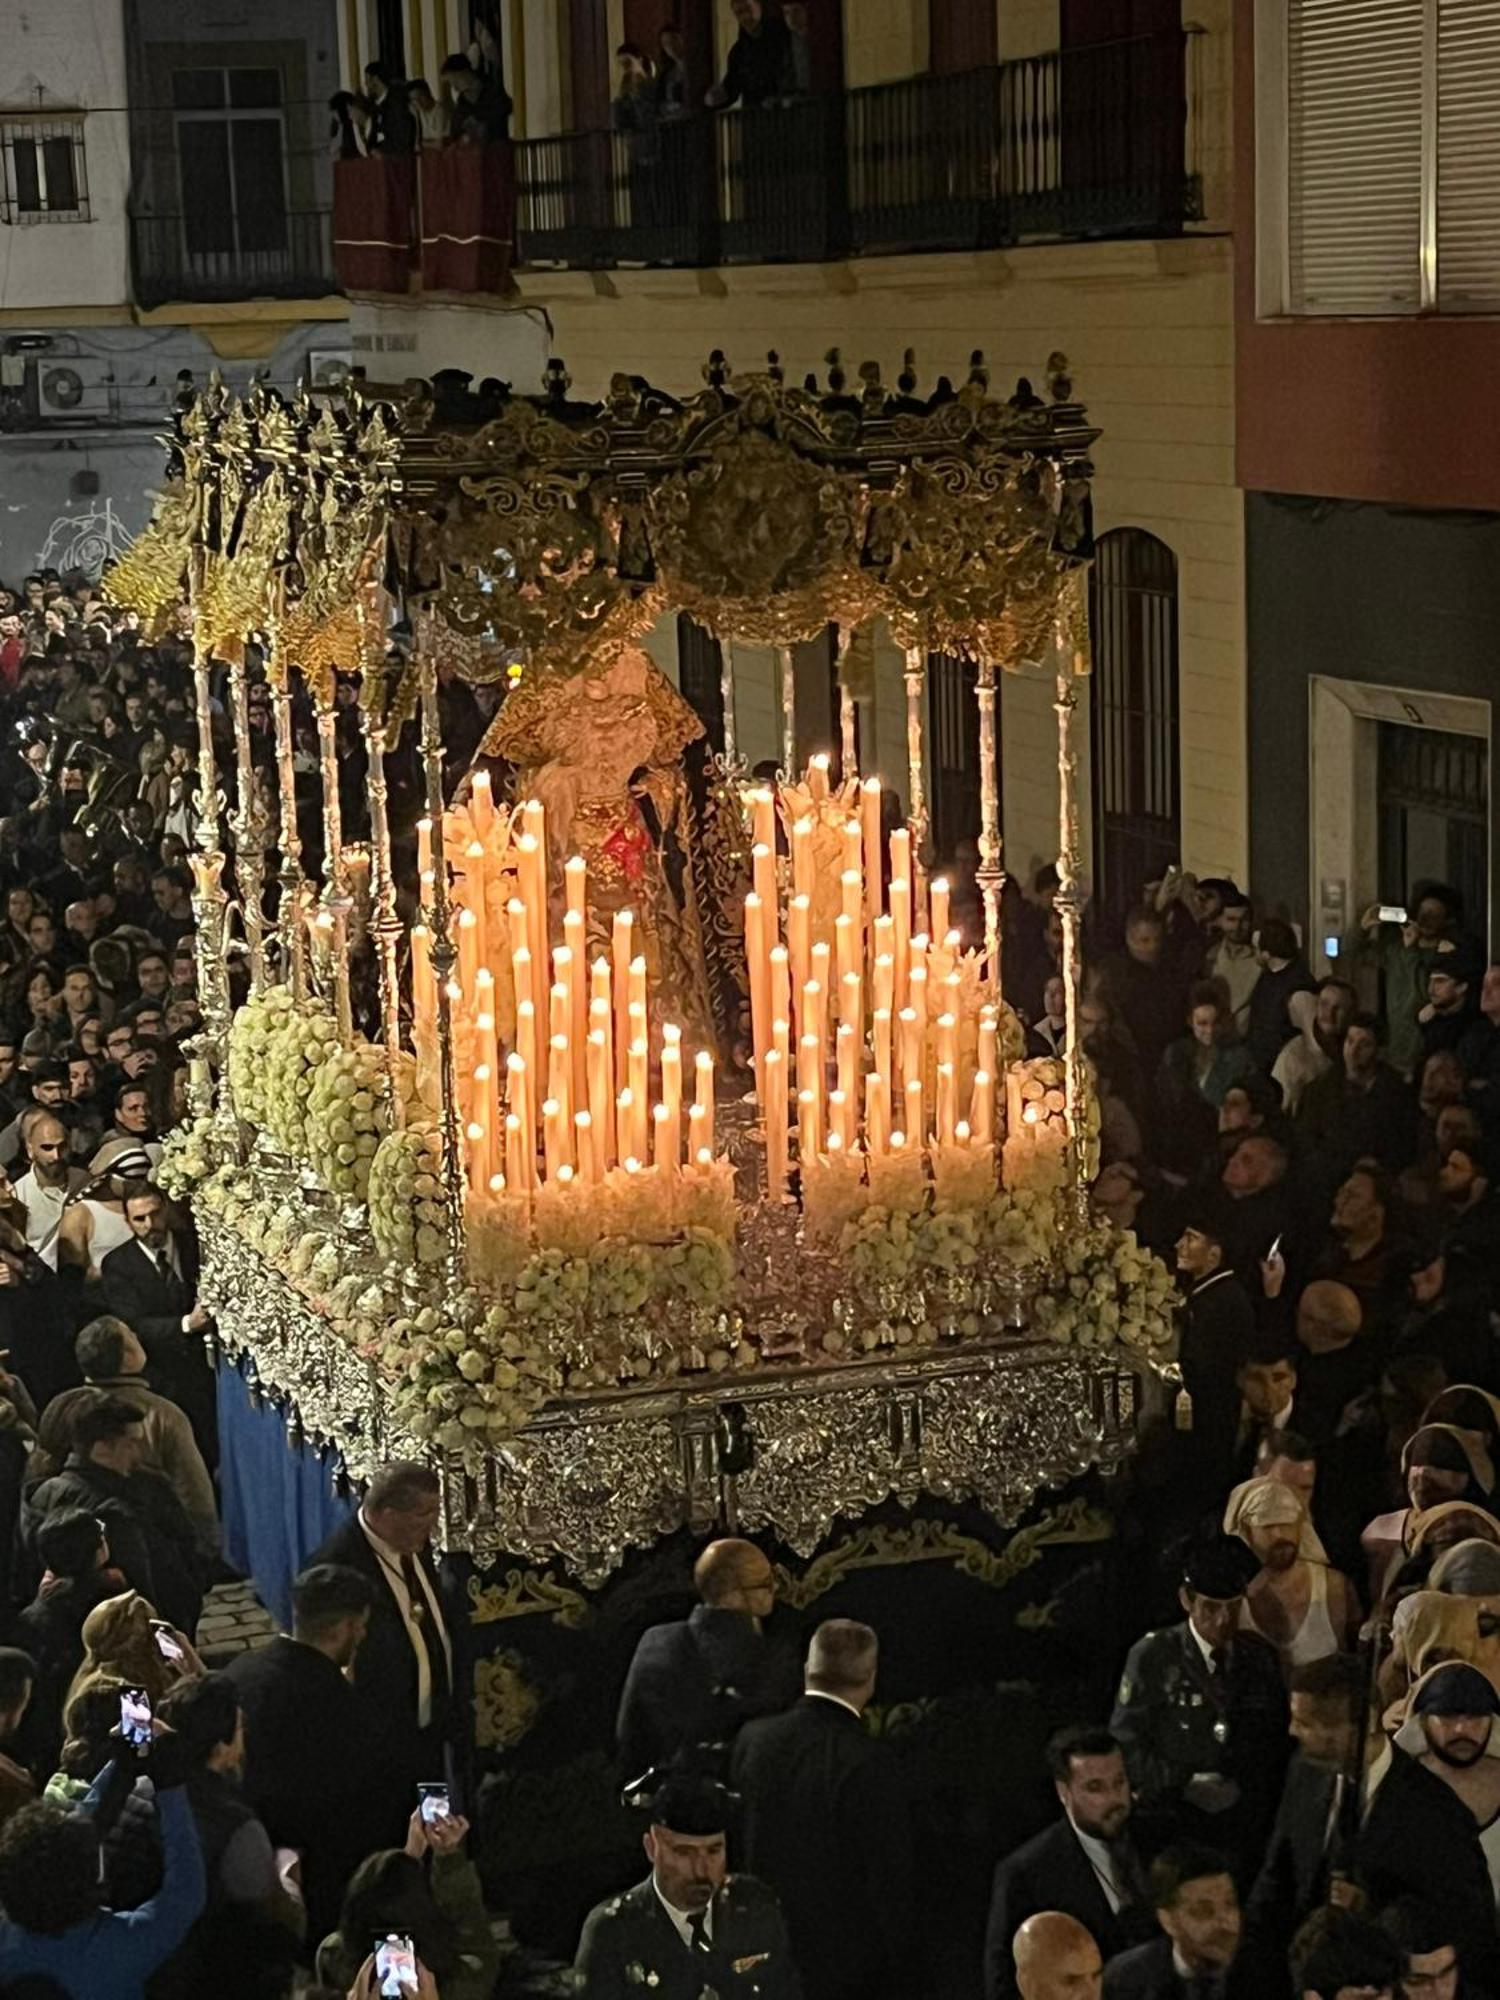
[280, 253]
[1095, 142]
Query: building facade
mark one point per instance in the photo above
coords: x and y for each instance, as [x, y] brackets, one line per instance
[1368, 218]
[951, 178]
[165, 212]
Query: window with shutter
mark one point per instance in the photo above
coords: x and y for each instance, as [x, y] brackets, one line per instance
[1354, 155]
[1468, 156]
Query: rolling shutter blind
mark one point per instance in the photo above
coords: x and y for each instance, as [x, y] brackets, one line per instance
[1468, 202]
[1355, 155]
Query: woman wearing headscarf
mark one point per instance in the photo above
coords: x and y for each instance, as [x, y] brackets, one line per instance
[1439, 1463]
[124, 1642]
[1297, 1604]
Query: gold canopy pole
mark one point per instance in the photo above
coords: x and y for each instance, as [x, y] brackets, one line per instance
[334, 902]
[246, 827]
[1071, 638]
[848, 727]
[916, 801]
[990, 873]
[289, 874]
[787, 663]
[210, 904]
[443, 952]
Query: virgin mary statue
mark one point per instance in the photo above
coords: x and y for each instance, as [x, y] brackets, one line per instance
[602, 750]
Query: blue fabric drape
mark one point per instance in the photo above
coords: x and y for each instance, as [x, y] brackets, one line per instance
[278, 1500]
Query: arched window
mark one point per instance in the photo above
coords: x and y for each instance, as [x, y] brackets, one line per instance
[1137, 782]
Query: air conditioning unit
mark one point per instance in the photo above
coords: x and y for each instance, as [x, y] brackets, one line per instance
[69, 388]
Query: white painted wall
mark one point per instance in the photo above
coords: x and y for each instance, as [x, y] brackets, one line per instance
[69, 55]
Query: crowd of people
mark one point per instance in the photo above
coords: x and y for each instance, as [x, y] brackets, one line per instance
[1296, 1791]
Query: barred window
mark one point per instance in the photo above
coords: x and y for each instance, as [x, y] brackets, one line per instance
[44, 169]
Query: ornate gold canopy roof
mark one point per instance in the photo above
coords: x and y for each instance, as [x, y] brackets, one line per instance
[562, 528]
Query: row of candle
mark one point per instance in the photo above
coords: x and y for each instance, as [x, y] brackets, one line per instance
[896, 997]
[572, 1098]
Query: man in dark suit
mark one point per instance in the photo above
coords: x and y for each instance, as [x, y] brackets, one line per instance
[1201, 1714]
[408, 1671]
[1326, 1698]
[1085, 1865]
[152, 1284]
[1199, 1913]
[691, 1927]
[314, 1764]
[696, 1682]
[827, 1823]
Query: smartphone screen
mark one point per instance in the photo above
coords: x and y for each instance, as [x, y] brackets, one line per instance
[395, 1967]
[135, 1717]
[434, 1802]
[166, 1645]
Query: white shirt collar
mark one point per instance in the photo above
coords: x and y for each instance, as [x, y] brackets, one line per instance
[818, 1694]
[680, 1919]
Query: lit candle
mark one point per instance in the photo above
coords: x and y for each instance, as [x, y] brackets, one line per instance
[560, 1078]
[622, 950]
[775, 1124]
[877, 1114]
[476, 878]
[670, 1132]
[701, 1132]
[763, 876]
[601, 1097]
[583, 1148]
[637, 1070]
[900, 894]
[575, 880]
[869, 814]
[800, 838]
[982, 1108]
[468, 954]
[482, 803]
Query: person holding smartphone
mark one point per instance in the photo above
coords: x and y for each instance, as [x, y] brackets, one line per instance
[423, 1899]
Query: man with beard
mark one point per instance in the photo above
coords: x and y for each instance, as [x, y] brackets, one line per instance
[1324, 1020]
[1085, 1865]
[1431, 1823]
[1198, 1909]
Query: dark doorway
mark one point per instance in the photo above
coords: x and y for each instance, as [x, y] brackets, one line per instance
[1137, 782]
[1434, 810]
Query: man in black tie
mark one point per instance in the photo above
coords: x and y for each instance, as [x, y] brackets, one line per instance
[1199, 1912]
[827, 1824]
[151, 1283]
[691, 1928]
[407, 1669]
[1084, 1865]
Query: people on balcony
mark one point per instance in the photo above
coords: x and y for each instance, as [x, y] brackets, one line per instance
[759, 69]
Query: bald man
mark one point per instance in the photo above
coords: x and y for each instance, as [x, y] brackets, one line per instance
[1056, 1959]
[693, 1683]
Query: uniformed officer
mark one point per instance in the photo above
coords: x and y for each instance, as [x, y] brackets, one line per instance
[1202, 1717]
[691, 1930]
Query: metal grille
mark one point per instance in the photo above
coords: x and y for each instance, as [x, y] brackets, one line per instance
[45, 172]
[1137, 783]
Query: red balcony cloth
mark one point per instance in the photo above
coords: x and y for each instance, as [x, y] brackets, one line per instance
[374, 227]
[468, 218]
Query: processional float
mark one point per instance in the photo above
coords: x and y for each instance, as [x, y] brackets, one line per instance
[688, 1167]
